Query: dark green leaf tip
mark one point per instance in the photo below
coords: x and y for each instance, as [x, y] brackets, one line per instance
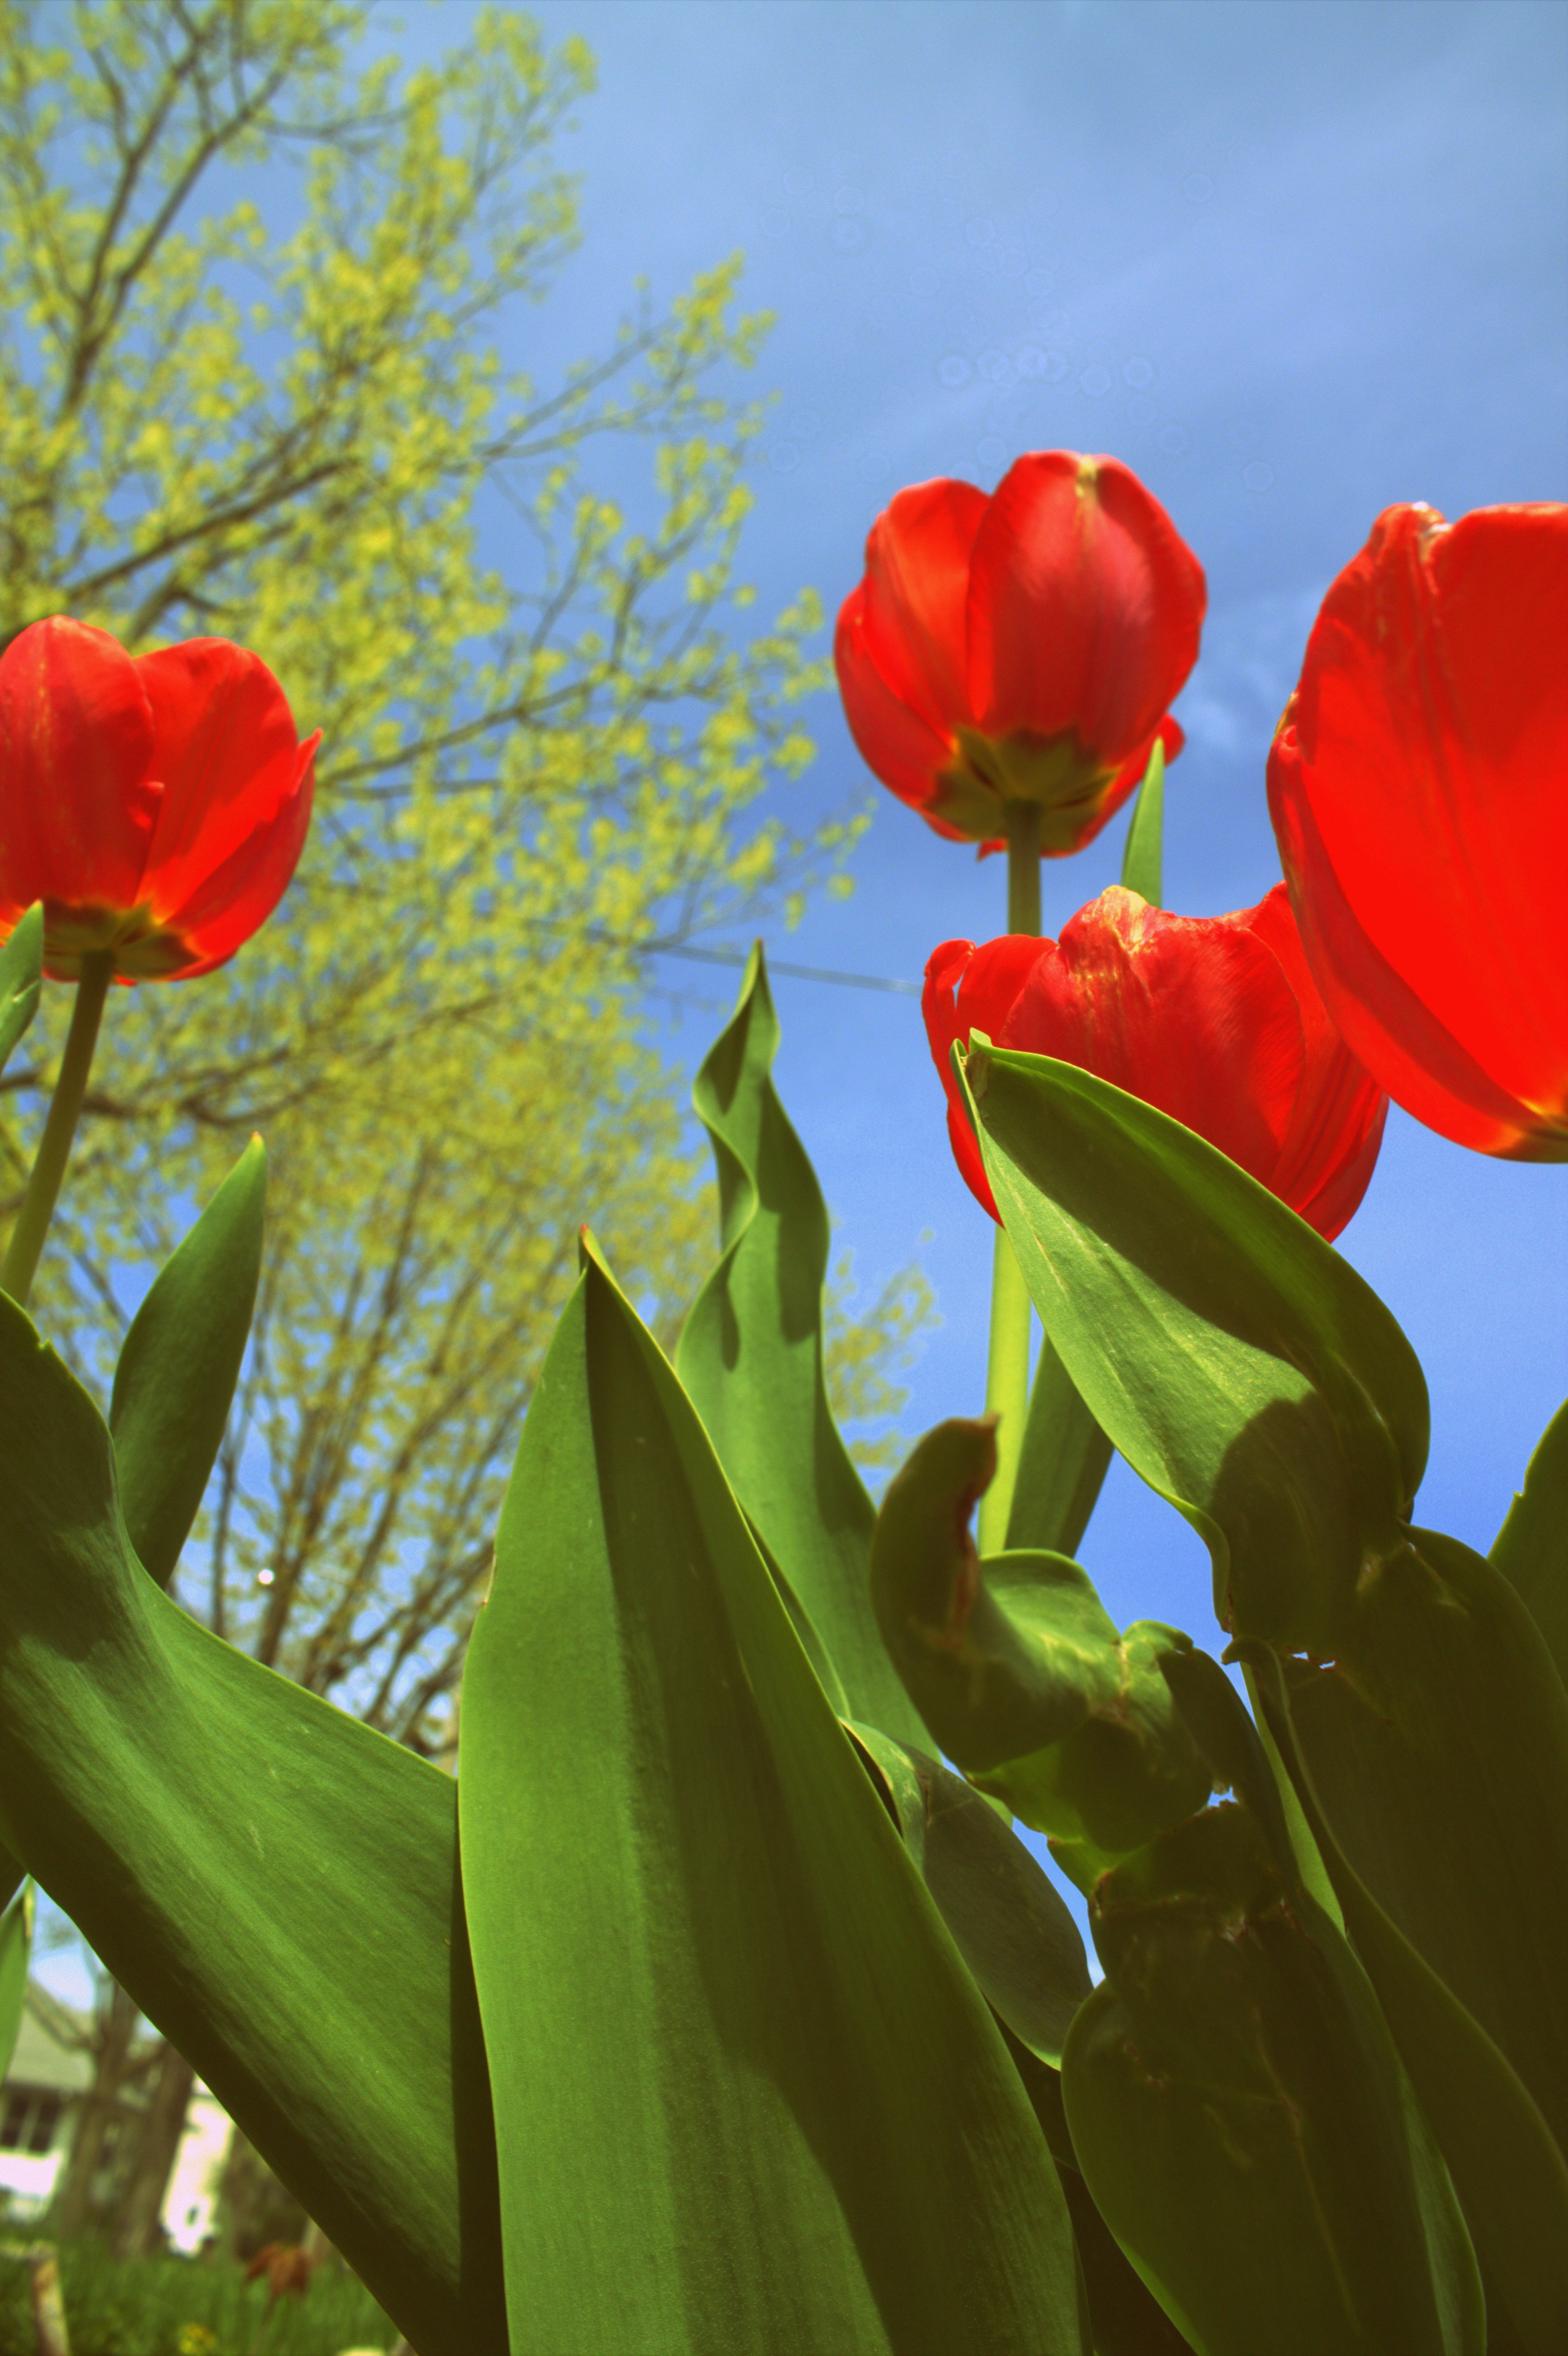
[925, 1572]
[181, 1362]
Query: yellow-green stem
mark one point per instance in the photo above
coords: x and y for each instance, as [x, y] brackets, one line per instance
[1023, 821]
[1006, 1390]
[1007, 1360]
[54, 1146]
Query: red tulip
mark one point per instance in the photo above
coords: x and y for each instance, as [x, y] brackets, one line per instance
[1020, 647]
[1419, 787]
[1212, 1018]
[156, 806]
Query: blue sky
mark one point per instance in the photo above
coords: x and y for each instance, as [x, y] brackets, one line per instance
[1293, 263]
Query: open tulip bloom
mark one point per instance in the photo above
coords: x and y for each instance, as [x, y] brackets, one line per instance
[718, 2004]
[1012, 657]
[1214, 1019]
[153, 808]
[156, 804]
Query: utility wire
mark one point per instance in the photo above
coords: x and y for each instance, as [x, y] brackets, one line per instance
[775, 965]
[738, 958]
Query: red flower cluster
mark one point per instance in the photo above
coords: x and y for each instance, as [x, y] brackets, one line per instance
[156, 806]
[1020, 647]
[1419, 789]
[1214, 1020]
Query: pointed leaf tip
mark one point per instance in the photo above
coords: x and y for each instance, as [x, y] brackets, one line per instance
[21, 974]
[1142, 865]
[181, 1362]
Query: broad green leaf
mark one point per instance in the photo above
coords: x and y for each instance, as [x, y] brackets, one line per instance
[1007, 1919]
[15, 1953]
[1229, 1742]
[1243, 2121]
[1506, 2166]
[1438, 1744]
[275, 1886]
[1532, 1547]
[21, 979]
[179, 1363]
[1124, 2319]
[750, 1360]
[1020, 1672]
[747, 2097]
[1141, 860]
[1062, 1465]
[1237, 1362]
[1242, 1759]
[800, 1621]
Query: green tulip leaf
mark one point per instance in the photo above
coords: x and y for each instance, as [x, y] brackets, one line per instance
[179, 1363]
[275, 1885]
[1124, 2319]
[1532, 1547]
[747, 2097]
[1141, 859]
[15, 1955]
[1230, 1745]
[1241, 2119]
[21, 979]
[1506, 2166]
[1243, 1369]
[750, 1360]
[1061, 1466]
[894, 1780]
[1020, 1673]
[1437, 1745]
[1007, 1919]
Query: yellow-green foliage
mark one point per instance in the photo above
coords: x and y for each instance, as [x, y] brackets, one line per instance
[250, 386]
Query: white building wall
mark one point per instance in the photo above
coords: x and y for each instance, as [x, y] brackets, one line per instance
[190, 2203]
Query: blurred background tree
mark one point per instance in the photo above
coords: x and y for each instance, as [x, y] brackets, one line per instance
[252, 301]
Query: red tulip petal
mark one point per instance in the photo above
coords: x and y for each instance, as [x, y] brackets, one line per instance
[1085, 605]
[895, 742]
[1331, 1147]
[1189, 1014]
[915, 589]
[971, 989]
[1419, 791]
[77, 808]
[236, 899]
[227, 753]
[992, 982]
[1387, 1027]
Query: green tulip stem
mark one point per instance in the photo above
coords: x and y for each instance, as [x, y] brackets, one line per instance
[54, 1146]
[1022, 822]
[1006, 1390]
[1007, 1359]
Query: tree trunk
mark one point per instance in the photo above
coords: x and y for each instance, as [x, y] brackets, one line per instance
[253, 2207]
[134, 2232]
[71, 2210]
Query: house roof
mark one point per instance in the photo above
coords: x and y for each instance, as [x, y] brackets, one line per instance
[45, 2055]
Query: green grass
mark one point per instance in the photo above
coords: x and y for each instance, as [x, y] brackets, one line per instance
[137, 2307]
